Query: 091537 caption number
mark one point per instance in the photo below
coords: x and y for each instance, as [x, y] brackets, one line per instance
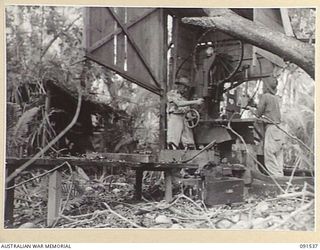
[309, 245]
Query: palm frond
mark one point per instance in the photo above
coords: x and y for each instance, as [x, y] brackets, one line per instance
[13, 114]
[21, 128]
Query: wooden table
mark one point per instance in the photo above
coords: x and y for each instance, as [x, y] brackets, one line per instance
[54, 185]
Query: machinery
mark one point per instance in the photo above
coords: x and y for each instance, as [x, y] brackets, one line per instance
[124, 40]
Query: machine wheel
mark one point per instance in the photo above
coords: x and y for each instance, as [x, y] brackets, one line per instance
[192, 117]
[229, 55]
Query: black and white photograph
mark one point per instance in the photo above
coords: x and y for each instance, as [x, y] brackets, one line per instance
[168, 118]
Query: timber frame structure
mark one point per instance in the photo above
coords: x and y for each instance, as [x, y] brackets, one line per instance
[152, 47]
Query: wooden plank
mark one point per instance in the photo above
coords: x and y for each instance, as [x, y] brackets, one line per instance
[48, 163]
[54, 197]
[296, 180]
[175, 30]
[9, 201]
[286, 22]
[163, 166]
[121, 40]
[86, 34]
[127, 157]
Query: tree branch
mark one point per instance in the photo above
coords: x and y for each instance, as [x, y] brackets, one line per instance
[287, 133]
[120, 216]
[38, 176]
[292, 215]
[290, 49]
[56, 37]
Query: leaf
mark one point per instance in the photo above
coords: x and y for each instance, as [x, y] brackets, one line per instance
[13, 113]
[262, 207]
[82, 174]
[21, 129]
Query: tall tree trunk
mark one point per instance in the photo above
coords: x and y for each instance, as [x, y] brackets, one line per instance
[290, 49]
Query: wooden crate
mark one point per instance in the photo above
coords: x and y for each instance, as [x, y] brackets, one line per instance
[223, 191]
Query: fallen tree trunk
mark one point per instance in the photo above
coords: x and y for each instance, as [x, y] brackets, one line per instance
[290, 49]
[297, 180]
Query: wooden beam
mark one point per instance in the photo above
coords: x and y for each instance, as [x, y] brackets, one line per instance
[298, 180]
[54, 197]
[127, 157]
[138, 191]
[168, 185]
[163, 99]
[118, 31]
[286, 22]
[86, 33]
[135, 47]
[49, 163]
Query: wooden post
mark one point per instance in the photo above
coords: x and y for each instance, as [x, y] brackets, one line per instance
[138, 191]
[9, 200]
[54, 197]
[168, 185]
[163, 97]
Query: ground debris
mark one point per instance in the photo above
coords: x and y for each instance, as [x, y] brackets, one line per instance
[107, 202]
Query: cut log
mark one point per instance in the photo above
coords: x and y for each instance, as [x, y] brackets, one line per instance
[298, 180]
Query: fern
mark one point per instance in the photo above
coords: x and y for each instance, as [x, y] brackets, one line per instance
[13, 114]
[21, 129]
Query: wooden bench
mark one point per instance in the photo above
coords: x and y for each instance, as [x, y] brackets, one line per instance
[54, 185]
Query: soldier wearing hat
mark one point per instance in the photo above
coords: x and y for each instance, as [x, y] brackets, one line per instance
[269, 110]
[178, 104]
